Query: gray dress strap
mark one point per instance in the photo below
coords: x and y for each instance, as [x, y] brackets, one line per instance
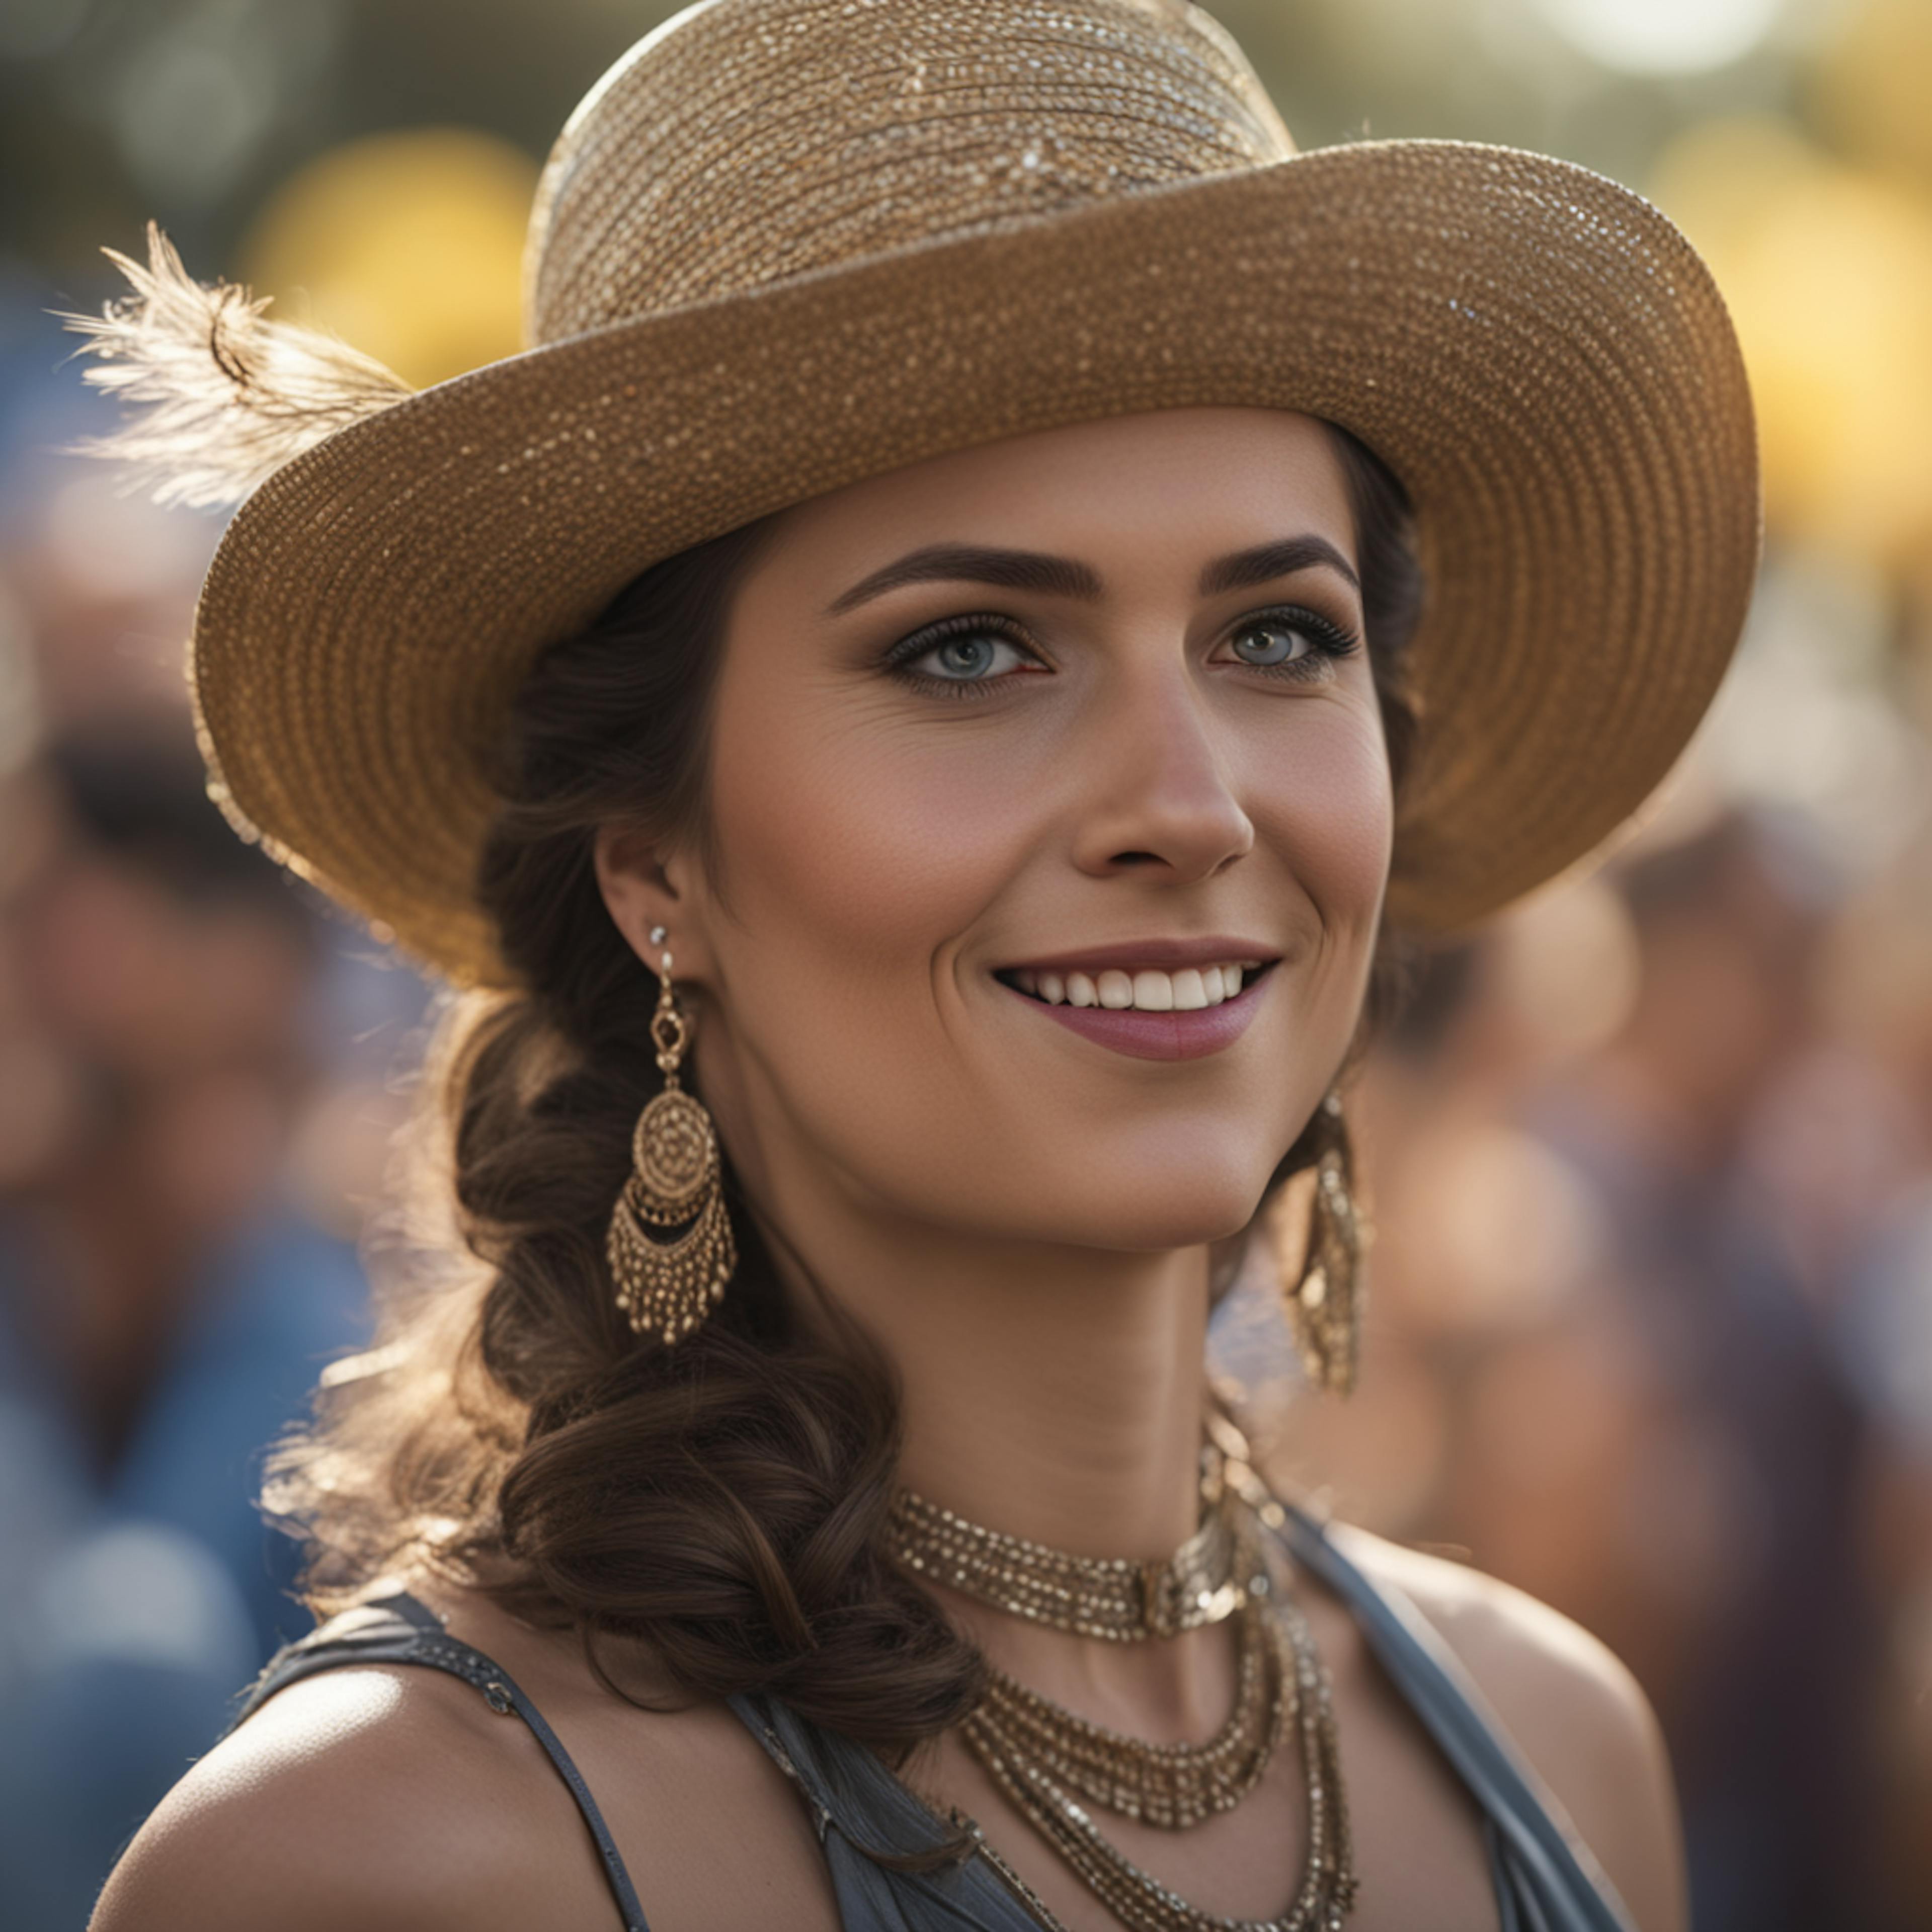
[862, 1812]
[398, 1629]
[1547, 1879]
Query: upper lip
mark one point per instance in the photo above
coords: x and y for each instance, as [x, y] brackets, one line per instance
[1169, 955]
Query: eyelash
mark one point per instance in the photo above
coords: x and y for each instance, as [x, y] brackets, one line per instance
[1331, 641]
[899, 660]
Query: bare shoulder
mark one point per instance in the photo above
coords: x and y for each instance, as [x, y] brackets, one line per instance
[388, 1797]
[368, 1795]
[1572, 1707]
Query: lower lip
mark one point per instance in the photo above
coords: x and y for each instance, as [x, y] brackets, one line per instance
[1170, 1035]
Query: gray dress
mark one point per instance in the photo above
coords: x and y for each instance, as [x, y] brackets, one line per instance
[1545, 1880]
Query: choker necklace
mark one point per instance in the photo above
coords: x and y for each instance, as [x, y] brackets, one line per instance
[1111, 1598]
[1047, 1760]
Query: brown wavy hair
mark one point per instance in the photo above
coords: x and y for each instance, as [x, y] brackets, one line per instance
[723, 1500]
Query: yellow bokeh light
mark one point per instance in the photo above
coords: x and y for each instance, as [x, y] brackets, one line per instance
[1873, 89]
[1828, 271]
[409, 246]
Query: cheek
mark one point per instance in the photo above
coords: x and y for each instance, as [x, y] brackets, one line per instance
[873, 846]
[855, 853]
[1324, 817]
[1322, 806]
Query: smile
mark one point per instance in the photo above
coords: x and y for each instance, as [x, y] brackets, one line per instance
[1196, 1001]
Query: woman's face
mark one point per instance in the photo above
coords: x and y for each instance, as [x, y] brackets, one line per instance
[1081, 716]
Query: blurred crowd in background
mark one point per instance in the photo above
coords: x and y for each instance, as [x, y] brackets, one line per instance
[1651, 1158]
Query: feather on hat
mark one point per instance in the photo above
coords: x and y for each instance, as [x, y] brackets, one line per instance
[230, 397]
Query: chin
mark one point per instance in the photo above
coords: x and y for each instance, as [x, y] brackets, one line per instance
[1183, 1205]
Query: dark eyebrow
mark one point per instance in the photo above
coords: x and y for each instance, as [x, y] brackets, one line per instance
[1062, 576]
[1013, 569]
[1268, 561]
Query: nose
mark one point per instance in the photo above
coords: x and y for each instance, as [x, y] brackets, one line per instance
[1158, 795]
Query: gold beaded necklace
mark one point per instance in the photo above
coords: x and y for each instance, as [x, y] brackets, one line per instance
[1046, 1759]
[1171, 1786]
[1112, 1598]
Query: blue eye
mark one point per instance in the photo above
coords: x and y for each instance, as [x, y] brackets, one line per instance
[971, 654]
[960, 654]
[1292, 643]
[1272, 643]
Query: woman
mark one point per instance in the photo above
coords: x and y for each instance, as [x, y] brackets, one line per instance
[925, 707]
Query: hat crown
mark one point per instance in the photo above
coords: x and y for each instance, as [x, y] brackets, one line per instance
[749, 142]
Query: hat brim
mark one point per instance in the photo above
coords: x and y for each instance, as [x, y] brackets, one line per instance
[1537, 353]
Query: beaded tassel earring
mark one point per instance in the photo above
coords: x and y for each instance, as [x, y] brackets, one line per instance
[667, 1287]
[1324, 1307]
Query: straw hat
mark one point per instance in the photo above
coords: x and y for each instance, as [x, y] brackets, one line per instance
[785, 244]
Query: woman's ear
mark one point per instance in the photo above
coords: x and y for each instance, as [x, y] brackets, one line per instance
[640, 892]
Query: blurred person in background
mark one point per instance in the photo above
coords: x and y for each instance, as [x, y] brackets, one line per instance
[1616, 1313]
[1631, 1241]
[1880, 988]
[1730, 1358]
[162, 1314]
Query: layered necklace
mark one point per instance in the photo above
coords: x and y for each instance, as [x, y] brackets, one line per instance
[1053, 1766]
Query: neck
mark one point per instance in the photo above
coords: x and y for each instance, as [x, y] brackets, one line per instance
[1063, 1402]
[1050, 1393]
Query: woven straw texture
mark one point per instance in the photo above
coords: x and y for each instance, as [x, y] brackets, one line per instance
[786, 244]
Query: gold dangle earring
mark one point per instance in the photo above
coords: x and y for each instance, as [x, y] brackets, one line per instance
[1325, 1307]
[667, 1287]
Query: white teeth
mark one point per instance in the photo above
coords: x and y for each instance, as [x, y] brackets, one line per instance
[1147, 991]
[1153, 992]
